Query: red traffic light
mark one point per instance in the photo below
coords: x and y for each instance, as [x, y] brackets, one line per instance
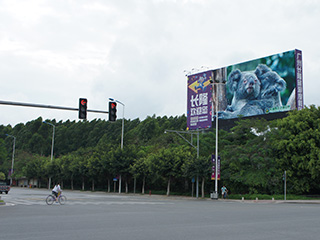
[83, 101]
[83, 108]
[112, 111]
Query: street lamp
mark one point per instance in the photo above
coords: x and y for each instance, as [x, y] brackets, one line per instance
[54, 127]
[122, 132]
[14, 147]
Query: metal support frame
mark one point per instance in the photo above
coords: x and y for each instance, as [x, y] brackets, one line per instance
[191, 144]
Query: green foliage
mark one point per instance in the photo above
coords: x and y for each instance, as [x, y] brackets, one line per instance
[297, 149]
[4, 158]
[248, 165]
[36, 167]
[2, 176]
[254, 154]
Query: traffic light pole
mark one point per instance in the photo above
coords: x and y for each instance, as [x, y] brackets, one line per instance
[46, 106]
[122, 132]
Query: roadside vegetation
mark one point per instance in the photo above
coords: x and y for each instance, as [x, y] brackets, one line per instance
[87, 155]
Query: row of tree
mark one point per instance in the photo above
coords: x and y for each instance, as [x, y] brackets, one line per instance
[87, 155]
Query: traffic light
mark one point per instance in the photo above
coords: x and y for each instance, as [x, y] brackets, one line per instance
[112, 111]
[83, 108]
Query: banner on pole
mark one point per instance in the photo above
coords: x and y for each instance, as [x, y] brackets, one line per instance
[213, 175]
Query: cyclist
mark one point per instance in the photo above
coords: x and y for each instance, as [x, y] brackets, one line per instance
[224, 192]
[56, 190]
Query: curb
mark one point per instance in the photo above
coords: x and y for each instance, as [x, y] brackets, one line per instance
[276, 201]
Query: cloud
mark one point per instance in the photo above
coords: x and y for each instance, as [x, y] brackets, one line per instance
[54, 52]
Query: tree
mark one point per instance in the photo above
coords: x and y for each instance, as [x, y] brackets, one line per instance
[4, 162]
[36, 168]
[37, 144]
[168, 163]
[141, 168]
[194, 167]
[247, 163]
[148, 129]
[94, 166]
[254, 154]
[2, 176]
[297, 149]
[121, 160]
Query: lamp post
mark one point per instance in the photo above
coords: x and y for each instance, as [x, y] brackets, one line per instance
[53, 131]
[122, 132]
[13, 150]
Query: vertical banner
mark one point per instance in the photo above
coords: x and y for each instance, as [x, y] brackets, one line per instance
[213, 175]
[199, 107]
[10, 172]
[299, 79]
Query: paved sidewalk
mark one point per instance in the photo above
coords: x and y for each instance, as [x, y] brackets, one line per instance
[274, 201]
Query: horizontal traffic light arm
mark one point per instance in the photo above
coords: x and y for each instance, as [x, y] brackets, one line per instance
[47, 106]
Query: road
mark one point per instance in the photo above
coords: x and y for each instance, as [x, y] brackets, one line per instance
[89, 215]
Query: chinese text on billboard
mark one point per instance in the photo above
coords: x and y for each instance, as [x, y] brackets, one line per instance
[199, 101]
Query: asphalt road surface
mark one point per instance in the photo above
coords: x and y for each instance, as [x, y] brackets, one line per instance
[104, 216]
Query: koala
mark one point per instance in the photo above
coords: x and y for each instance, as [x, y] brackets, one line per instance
[245, 87]
[271, 84]
[254, 92]
[256, 107]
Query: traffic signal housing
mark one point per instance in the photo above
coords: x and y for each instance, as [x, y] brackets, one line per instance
[112, 111]
[83, 108]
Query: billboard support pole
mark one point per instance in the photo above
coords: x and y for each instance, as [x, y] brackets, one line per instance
[216, 162]
[216, 178]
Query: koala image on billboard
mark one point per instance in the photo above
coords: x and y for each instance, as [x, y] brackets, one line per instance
[262, 86]
[265, 85]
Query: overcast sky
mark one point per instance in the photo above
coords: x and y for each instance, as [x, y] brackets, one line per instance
[136, 51]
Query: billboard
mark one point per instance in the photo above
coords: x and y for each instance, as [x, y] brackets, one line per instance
[199, 111]
[266, 85]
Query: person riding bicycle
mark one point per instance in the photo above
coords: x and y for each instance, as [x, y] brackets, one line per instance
[56, 190]
[224, 192]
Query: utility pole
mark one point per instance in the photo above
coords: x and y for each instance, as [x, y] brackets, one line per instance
[13, 150]
[285, 185]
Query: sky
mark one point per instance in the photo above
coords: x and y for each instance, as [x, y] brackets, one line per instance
[137, 51]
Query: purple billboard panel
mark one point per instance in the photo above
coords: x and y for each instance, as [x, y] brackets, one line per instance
[299, 85]
[199, 107]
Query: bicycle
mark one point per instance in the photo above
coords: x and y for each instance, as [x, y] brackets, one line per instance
[51, 199]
